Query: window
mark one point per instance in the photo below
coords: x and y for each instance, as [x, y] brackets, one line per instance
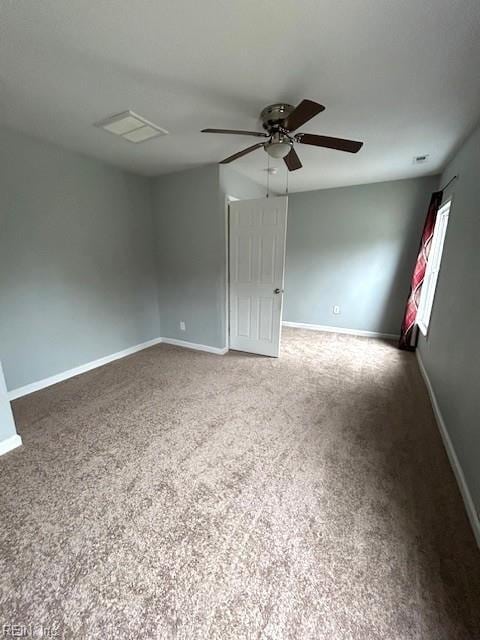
[433, 267]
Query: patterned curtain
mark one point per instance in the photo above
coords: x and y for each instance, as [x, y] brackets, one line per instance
[409, 331]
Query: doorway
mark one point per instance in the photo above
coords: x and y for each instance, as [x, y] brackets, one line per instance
[257, 240]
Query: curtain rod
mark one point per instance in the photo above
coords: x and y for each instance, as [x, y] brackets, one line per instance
[449, 182]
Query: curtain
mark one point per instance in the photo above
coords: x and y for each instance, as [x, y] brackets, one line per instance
[409, 331]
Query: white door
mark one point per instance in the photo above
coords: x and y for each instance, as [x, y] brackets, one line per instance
[257, 264]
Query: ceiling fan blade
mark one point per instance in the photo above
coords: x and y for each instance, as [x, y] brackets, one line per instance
[330, 143]
[292, 160]
[236, 132]
[304, 112]
[242, 153]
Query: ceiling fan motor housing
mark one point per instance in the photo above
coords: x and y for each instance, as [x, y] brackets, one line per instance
[274, 115]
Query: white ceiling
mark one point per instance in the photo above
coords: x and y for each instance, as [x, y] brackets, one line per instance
[401, 75]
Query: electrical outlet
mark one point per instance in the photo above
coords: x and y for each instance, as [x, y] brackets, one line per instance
[336, 310]
[182, 326]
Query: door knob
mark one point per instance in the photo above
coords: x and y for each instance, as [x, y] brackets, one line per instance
[278, 291]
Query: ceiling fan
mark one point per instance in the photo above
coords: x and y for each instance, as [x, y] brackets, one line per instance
[279, 121]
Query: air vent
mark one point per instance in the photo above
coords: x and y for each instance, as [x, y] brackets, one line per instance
[421, 159]
[132, 127]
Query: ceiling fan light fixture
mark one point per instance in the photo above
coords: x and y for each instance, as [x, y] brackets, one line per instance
[278, 149]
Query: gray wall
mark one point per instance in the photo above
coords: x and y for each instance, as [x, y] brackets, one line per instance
[451, 352]
[354, 247]
[189, 209]
[77, 278]
[191, 255]
[233, 183]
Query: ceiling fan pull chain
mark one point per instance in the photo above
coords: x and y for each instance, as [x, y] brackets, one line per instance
[268, 176]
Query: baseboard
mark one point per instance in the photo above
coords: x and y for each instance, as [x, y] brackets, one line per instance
[10, 443]
[60, 377]
[350, 332]
[452, 456]
[197, 347]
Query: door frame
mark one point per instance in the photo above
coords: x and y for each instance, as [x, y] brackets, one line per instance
[228, 199]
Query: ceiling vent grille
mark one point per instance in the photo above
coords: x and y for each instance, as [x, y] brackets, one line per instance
[132, 127]
[421, 159]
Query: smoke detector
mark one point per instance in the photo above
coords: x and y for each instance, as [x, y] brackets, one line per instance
[132, 127]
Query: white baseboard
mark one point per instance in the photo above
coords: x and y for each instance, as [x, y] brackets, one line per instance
[83, 368]
[350, 332]
[10, 443]
[452, 456]
[60, 377]
[197, 347]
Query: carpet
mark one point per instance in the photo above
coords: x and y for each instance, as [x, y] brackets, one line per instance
[182, 495]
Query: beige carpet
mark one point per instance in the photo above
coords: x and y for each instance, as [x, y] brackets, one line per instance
[177, 494]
